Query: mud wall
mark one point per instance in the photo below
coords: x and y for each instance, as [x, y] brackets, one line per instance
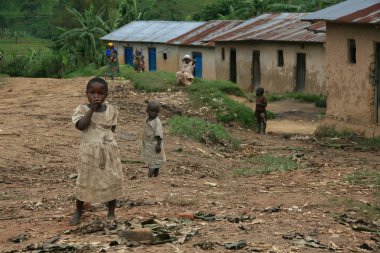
[274, 78]
[351, 91]
[169, 64]
[208, 59]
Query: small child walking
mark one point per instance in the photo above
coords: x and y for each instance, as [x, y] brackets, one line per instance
[260, 110]
[100, 174]
[153, 149]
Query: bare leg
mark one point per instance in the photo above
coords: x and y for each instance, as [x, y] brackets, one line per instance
[151, 172]
[78, 213]
[111, 209]
[156, 170]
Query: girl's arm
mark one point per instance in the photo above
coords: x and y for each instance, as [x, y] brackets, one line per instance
[158, 146]
[85, 121]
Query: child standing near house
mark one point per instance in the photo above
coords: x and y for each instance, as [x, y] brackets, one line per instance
[153, 149]
[260, 110]
[100, 174]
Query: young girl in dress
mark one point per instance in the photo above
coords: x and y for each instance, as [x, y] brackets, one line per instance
[100, 174]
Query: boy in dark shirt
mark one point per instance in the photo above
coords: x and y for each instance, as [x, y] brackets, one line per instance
[260, 111]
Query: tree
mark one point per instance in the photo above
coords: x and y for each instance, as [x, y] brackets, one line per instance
[30, 8]
[82, 43]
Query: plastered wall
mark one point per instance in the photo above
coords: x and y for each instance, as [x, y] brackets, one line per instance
[351, 91]
[274, 79]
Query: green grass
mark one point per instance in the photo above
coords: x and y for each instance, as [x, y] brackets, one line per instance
[89, 70]
[364, 177]
[265, 164]
[150, 81]
[333, 133]
[320, 101]
[10, 47]
[201, 131]
[213, 94]
[370, 142]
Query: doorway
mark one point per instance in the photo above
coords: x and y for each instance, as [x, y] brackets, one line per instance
[152, 59]
[128, 55]
[255, 70]
[233, 65]
[300, 72]
[198, 64]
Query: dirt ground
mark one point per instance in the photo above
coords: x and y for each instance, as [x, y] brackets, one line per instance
[296, 211]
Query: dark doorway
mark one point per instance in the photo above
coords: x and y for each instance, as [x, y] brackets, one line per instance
[198, 64]
[255, 71]
[377, 84]
[233, 65]
[152, 59]
[128, 55]
[300, 72]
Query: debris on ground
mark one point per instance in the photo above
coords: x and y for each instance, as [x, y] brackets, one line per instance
[205, 245]
[18, 238]
[304, 240]
[236, 245]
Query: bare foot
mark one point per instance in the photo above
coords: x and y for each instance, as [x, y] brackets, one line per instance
[111, 216]
[75, 219]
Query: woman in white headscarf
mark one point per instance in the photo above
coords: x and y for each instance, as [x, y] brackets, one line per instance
[185, 76]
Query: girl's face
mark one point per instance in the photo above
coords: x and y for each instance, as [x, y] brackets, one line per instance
[187, 60]
[97, 93]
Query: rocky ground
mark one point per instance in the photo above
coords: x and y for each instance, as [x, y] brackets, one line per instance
[310, 209]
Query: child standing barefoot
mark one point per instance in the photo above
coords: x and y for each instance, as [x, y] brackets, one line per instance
[100, 174]
[260, 110]
[153, 151]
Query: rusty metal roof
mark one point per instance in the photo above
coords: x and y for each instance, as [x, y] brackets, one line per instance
[273, 27]
[350, 11]
[151, 31]
[200, 36]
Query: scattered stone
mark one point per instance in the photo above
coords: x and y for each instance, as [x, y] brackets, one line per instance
[236, 245]
[18, 238]
[272, 209]
[205, 216]
[186, 215]
[137, 235]
[211, 184]
[73, 175]
[304, 240]
[205, 245]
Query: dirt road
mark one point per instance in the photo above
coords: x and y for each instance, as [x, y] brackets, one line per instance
[294, 211]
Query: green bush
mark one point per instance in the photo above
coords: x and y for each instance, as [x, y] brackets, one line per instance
[202, 131]
[327, 131]
[321, 102]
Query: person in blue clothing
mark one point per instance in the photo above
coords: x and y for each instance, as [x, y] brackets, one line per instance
[112, 61]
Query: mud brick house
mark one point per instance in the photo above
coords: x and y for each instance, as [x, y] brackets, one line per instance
[196, 44]
[150, 37]
[353, 65]
[278, 52]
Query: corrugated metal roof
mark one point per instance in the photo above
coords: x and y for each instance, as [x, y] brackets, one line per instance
[273, 27]
[200, 36]
[151, 31]
[351, 11]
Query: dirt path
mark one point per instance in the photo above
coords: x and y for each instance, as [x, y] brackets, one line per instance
[38, 150]
[292, 117]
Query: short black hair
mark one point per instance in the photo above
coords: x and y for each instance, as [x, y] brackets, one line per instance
[154, 105]
[260, 91]
[97, 80]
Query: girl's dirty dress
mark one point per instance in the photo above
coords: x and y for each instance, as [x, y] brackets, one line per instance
[100, 174]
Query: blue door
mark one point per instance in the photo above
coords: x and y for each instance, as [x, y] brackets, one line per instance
[198, 64]
[128, 55]
[152, 59]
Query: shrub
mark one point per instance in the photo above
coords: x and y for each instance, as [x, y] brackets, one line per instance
[201, 131]
[295, 95]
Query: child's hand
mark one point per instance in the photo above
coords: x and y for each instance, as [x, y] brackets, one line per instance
[158, 149]
[95, 104]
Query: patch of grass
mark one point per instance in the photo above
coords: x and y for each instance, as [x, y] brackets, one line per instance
[332, 132]
[201, 131]
[213, 94]
[320, 101]
[150, 81]
[364, 177]
[89, 70]
[268, 163]
[363, 210]
[370, 142]
[131, 161]
[23, 46]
